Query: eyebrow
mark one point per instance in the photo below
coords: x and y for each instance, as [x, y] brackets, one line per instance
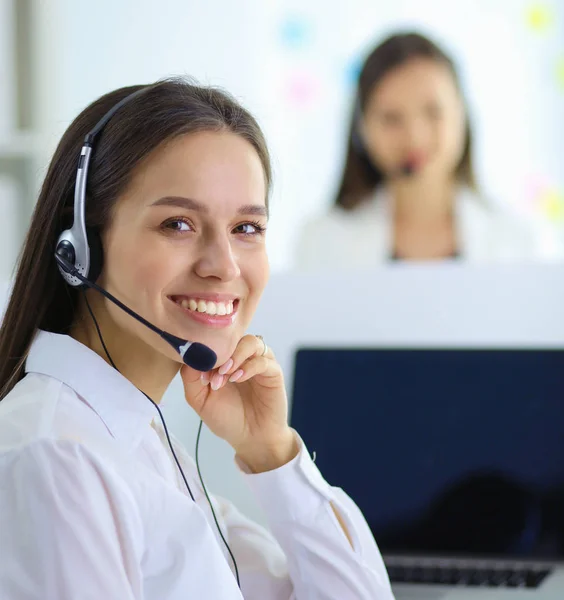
[189, 204]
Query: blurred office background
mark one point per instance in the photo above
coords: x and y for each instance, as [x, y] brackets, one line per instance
[294, 65]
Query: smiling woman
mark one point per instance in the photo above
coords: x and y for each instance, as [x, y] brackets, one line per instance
[177, 197]
[201, 242]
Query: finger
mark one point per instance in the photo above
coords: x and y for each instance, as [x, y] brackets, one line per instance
[248, 346]
[259, 365]
[217, 381]
[196, 390]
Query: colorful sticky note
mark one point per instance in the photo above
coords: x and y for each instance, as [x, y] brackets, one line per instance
[302, 88]
[553, 205]
[540, 17]
[352, 72]
[295, 32]
[560, 72]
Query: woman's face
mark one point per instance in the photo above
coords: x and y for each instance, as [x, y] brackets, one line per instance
[415, 116]
[186, 244]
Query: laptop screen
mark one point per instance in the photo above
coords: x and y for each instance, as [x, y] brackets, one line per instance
[452, 452]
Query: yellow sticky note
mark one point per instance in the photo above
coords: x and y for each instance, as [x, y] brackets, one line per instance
[553, 205]
[540, 17]
[560, 72]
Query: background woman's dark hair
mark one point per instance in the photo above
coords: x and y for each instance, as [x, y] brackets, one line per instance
[360, 175]
[40, 298]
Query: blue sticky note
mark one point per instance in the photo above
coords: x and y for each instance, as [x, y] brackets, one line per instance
[352, 72]
[295, 32]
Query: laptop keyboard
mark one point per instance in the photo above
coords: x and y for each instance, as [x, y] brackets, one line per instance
[468, 577]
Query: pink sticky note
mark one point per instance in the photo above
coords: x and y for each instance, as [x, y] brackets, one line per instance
[301, 89]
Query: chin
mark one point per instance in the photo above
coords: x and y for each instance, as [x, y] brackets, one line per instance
[224, 350]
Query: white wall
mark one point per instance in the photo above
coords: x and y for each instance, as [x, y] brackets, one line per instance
[4, 291]
[87, 49]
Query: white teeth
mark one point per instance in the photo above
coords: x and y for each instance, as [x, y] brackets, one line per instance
[208, 307]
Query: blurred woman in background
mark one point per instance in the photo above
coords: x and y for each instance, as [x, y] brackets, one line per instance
[408, 190]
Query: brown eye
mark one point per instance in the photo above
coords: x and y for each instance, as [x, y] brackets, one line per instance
[250, 228]
[177, 225]
[390, 119]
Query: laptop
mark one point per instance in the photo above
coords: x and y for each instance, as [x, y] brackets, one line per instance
[455, 457]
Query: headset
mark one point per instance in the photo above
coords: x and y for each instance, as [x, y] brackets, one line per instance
[79, 256]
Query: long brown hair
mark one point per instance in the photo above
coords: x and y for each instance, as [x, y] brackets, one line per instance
[360, 175]
[40, 299]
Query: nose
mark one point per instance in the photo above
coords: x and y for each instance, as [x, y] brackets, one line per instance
[216, 259]
[416, 132]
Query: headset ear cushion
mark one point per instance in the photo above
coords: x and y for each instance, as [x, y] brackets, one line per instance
[96, 254]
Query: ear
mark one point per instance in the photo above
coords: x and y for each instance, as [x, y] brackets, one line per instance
[96, 254]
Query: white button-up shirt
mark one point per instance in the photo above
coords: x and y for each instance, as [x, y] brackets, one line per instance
[92, 505]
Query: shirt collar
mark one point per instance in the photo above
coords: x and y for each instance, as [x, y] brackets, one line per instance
[124, 409]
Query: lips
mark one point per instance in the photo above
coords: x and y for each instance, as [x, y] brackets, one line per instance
[416, 159]
[212, 313]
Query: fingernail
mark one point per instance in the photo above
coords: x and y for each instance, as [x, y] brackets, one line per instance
[237, 375]
[204, 378]
[216, 381]
[224, 368]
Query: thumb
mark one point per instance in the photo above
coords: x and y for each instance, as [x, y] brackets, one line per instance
[196, 391]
